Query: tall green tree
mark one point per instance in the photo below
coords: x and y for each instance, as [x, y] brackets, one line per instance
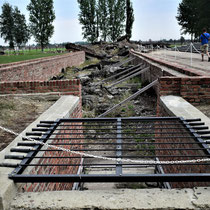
[7, 25]
[182, 40]
[21, 32]
[188, 16]
[204, 15]
[88, 19]
[13, 27]
[103, 15]
[129, 19]
[116, 18]
[104, 19]
[41, 19]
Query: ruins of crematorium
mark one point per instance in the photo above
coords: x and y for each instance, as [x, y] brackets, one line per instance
[112, 126]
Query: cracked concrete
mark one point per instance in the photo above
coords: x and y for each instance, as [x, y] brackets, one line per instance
[115, 199]
[202, 195]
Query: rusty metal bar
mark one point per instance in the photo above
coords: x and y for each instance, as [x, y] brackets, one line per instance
[129, 98]
[129, 77]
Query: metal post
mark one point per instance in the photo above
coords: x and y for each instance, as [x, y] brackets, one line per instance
[119, 148]
[165, 52]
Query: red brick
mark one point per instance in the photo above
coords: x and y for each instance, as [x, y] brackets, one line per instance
[40, 69]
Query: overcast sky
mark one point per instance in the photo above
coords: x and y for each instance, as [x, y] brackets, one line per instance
[154, 19]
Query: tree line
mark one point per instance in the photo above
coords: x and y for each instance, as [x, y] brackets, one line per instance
[14, 29]
[193, 16]
[106, 20]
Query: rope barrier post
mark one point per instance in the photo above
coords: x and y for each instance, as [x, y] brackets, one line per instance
[191, 45]
[165, 52]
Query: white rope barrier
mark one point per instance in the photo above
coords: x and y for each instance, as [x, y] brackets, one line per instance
[191, 52]
[190, 48]
[196, 49]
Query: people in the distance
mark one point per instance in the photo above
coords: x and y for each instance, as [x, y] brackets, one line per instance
[204, 38]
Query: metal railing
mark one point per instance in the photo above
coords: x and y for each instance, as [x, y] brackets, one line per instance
[122, 144]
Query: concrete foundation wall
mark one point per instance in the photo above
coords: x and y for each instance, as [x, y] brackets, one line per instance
[40, 69]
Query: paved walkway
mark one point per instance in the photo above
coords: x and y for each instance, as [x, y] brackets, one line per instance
[183, 59]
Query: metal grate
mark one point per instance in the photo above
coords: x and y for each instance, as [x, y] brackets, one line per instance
[163, 138]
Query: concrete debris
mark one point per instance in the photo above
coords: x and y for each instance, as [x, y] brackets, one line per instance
[89, 101]
[97, 96]
[85, 79]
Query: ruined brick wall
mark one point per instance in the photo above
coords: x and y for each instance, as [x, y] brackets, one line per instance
[63, 87]
[40, 69]
[195, 90]
[187, 87]
[153, 73]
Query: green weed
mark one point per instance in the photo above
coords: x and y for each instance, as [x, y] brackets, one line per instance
[6, 105]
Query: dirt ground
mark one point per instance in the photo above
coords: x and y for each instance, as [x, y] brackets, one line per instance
[16, 113]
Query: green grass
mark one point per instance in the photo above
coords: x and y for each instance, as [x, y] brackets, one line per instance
[27, 55]
[6, 105]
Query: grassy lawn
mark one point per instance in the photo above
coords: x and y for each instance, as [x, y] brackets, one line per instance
[12, 56]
